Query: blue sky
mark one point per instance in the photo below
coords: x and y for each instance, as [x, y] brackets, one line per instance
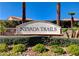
[38, 10]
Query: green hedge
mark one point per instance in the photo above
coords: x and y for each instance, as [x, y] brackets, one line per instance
[22, 40]
[35, 40]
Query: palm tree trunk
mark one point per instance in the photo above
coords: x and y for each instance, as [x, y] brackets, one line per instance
[23, 12]
[58, 13]
[67, 34]
[77, 34]
[72, 21]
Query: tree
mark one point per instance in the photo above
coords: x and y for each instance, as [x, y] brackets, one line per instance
[2, 27]
[72, 18]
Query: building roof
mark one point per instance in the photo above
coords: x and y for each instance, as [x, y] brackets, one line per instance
[17, 18]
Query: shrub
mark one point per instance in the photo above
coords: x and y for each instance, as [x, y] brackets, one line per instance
[55, 46]
[19, 48]
[64, 29]
[39, 48]
[31, 41]
[74, 29]
[4, 54]
[73, 49]
[44, 54]
[20, 40]
[61, 41]
[57, 50]
[10, 54]
[3, 47]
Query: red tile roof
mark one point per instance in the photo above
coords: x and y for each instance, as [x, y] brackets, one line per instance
[17, 18]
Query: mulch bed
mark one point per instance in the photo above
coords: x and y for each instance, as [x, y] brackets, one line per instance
[29, 52]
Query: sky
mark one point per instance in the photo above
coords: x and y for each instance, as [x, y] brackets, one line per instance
[38, 10]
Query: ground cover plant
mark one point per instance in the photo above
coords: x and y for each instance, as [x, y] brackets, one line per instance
[3, 47]
[19, 48]
[58, 50]
[73, 49]
[38, 46]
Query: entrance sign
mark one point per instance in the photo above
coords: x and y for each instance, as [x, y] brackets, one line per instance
[38, 28]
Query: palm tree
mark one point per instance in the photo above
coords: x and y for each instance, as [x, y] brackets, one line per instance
[23, 11]
[58, 13]
[72, 18]
[72, 22]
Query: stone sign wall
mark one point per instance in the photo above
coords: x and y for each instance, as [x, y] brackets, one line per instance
[38, 27]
